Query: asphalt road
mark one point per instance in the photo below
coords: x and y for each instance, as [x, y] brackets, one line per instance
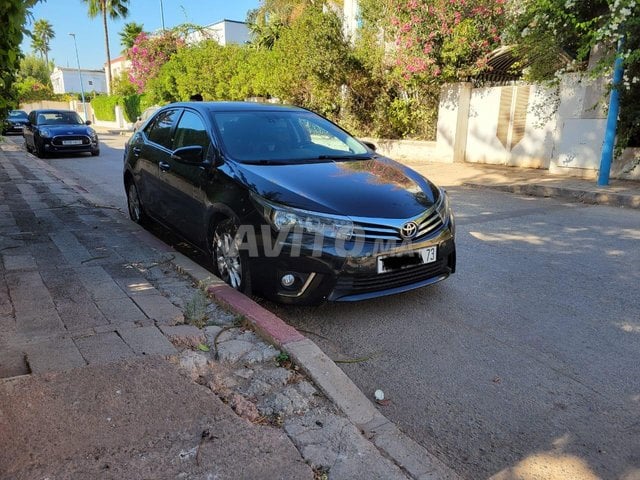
[524, 364]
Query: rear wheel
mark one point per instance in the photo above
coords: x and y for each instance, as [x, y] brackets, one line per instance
[136, 212]
[230, 261]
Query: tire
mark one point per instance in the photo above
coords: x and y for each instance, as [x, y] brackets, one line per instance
[230, 262]
[39, 148]
[95, 153]
[134, 205]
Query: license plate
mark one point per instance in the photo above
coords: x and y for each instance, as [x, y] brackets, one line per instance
[391, 263]
[72, 142]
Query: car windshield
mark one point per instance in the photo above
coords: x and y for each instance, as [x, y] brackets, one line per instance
[18, 115]
[59, 118]
[284, 137]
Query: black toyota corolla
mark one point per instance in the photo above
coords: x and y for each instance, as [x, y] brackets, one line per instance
[289, 205]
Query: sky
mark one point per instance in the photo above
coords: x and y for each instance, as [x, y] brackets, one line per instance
[70, 16]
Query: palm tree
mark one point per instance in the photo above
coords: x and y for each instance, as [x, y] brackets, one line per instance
[129, 33]
[41, 35]
[115, 9]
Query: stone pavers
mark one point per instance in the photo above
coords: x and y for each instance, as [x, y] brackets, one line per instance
[71, 294]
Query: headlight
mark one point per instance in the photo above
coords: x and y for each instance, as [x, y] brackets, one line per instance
[283, 218]
[44, 133]
[93, 135]
[442, 207]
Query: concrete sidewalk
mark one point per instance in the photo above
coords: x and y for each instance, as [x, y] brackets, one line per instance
[527, 181]
[114, 364]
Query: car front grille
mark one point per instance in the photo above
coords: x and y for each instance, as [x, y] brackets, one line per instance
[429, 222]
[386, 281]
[57, 141]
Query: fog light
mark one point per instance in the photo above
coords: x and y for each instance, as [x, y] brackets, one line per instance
[288, 280]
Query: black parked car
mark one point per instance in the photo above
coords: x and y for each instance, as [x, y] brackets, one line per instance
[14, 122]
[59, 131]
[290, 206]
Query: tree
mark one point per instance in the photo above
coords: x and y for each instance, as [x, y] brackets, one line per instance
[41, 35]
[446, 40]
[149, 53]
[114, 9]
[129, 33]
[13, 16]
[545, 30]
[34, 67]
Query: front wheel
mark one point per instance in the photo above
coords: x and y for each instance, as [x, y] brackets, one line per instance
[40, 152]
[95, 152]
[136, 212]
[230, 261]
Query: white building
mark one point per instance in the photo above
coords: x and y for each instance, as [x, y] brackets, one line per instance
[118, 65]
[224, 32]
[67, 80]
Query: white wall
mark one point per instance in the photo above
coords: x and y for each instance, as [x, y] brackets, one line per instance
[225, 33]
[556, 128]
[67, 80]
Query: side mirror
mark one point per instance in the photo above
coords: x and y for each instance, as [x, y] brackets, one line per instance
[190, 155]
[88, 122]
[371, 145]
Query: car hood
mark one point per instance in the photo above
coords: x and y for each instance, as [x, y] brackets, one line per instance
[377, 187]
[67, 129]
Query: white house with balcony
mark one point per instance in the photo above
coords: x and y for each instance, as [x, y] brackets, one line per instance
[67, 80]
[225, 32]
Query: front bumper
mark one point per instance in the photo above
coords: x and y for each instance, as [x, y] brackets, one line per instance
[57, 145]
[348, 272]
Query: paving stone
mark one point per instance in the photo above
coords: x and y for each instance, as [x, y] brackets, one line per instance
[104, 348]
[160, 309]
[12, 362]
[136, 286]
[19, 262]
[333, 443]
[285, 402]
[112, 327]
[57, 354]
[74, 252]
[193, 363]
[147, 341]
[261, 353]
[78, 315]
[184, 335]
[34, 308]
[121, 310]
[233, 350]
[99, 283]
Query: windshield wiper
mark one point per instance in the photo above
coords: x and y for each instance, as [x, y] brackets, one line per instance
[360, 156]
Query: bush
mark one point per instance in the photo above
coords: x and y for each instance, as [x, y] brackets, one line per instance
[131, 107]
[104, 107]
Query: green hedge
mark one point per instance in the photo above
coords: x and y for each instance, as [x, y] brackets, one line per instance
[104, 107]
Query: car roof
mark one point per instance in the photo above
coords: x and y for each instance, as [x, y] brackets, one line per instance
[236, 106]
[52, 110]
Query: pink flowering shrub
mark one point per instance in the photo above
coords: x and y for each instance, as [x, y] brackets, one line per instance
[445, 40]
[149, 53]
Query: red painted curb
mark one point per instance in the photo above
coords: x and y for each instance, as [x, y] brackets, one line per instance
[268, 325]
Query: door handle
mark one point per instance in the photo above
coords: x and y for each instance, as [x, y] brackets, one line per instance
[136, 150]
[164, 166]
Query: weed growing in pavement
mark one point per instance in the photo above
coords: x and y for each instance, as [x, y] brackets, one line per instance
[195, 310]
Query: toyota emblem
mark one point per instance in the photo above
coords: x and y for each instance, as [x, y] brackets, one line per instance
[409, 230]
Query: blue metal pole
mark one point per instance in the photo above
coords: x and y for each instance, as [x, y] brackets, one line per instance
[612, 121]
